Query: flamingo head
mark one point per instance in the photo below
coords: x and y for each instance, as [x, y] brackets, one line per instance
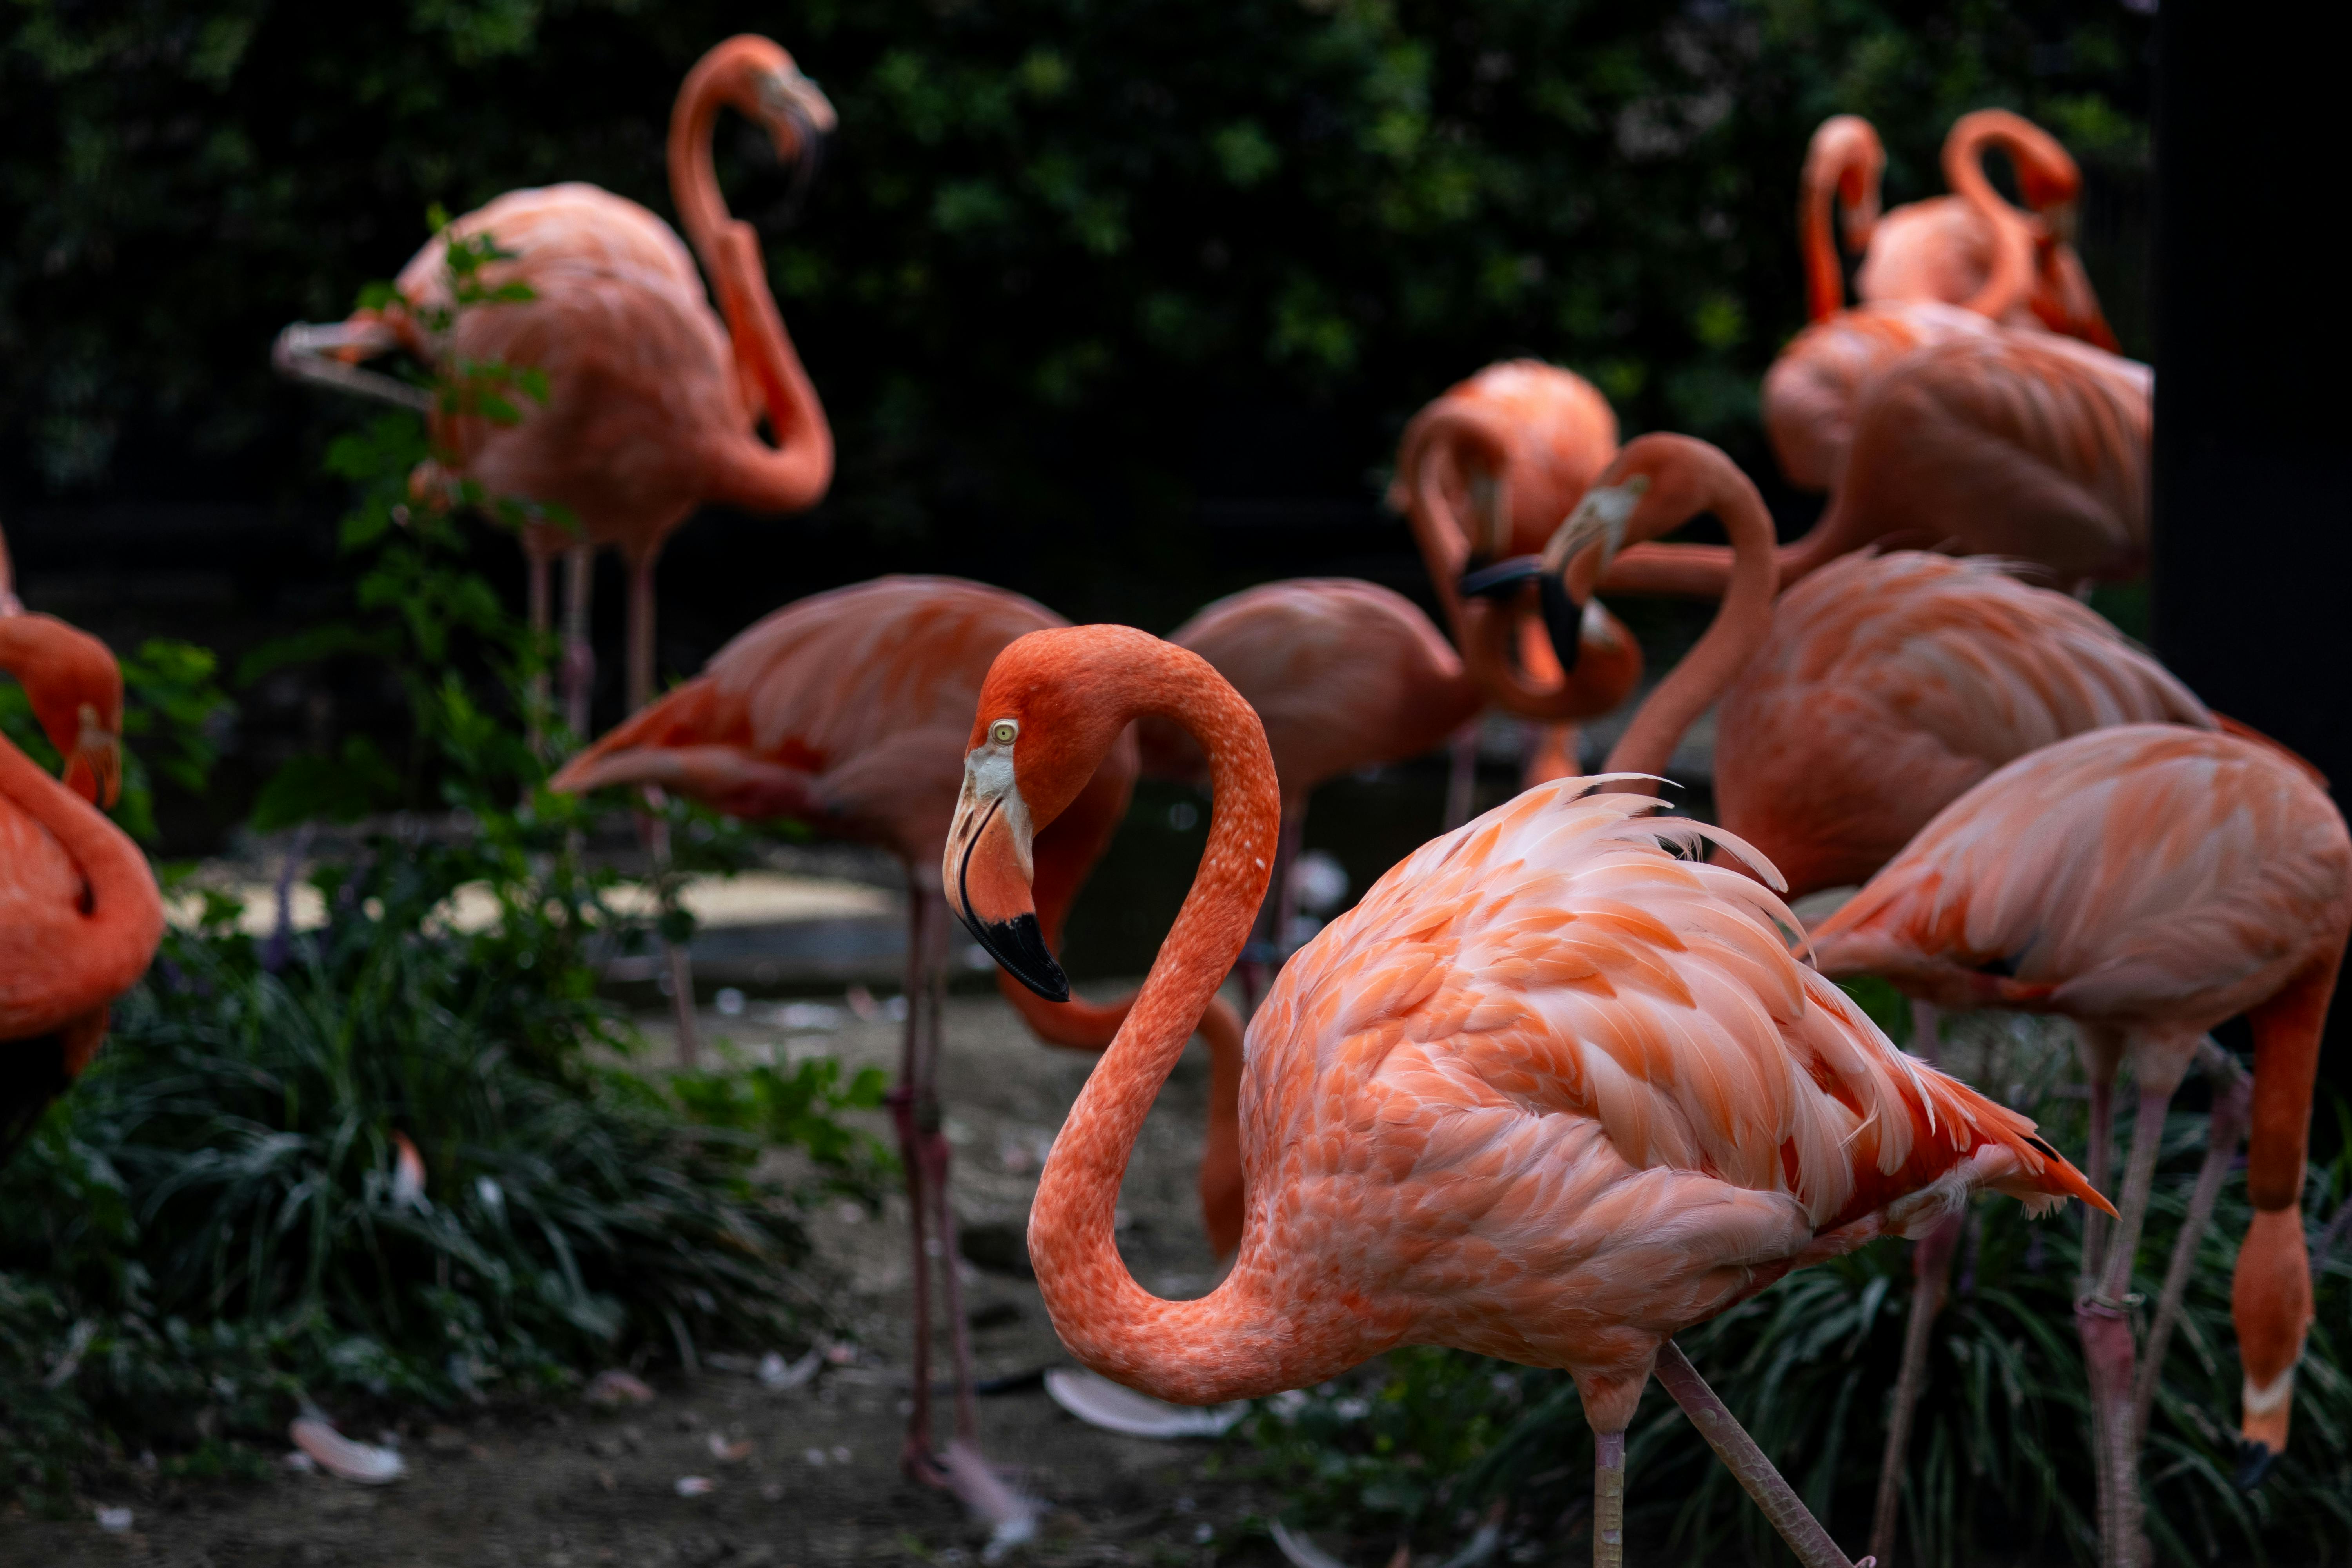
[770, 88]
[1054, 705]
[76, 689]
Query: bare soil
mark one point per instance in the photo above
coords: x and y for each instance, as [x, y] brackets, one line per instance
[561, 1485]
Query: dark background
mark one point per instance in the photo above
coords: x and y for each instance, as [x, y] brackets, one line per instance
[1121, 304]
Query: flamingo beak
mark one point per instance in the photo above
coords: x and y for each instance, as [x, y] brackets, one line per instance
[1563, 617]
[987, 870]
[94, 767]
[801, 117]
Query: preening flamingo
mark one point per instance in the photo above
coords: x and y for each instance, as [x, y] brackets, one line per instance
[652, 398]
[848, 712]
[79, 913]
[1549, 1092]
[1933, 271]
[1964, 248]
[2021, 445]
[2148, 881]
[1485, 472]
[1342, 675]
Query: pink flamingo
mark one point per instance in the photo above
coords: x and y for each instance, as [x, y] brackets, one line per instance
[1342, 675]
[846, 711]
[1936, 270]
[1548, 1093]
[2150, 882]
[652, 398]
[2021, 445]
[79, 913]
[1485, 472]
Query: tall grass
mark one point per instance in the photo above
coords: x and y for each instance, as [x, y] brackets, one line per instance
[1999, 1467]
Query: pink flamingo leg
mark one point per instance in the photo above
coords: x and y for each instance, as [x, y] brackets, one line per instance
[1262, 959]
[2100, 1318]
[914, 1108]
[1931, 1273]
[1738, 1450]
[579, 653]
[2234, 1098]
[1461, 775]
[1608, 1499]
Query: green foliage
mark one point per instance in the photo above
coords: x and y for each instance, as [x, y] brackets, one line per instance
[1063, 253]
[797, 1108]
[171, 709]
[1419, 1443]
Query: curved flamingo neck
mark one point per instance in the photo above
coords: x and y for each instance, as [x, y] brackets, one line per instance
[792, 475]
[2009, 279]
[1697, 477]
[119, 922]
[1229, 1343]
[1843, 160]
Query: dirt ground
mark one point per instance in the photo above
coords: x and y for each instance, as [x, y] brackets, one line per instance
[819, 1482]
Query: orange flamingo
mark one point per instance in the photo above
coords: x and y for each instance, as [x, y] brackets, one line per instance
[2150, 882]
[1342, 675]
[652, 398]
[79, 913]
[1936, 270]
[1549, 1092]
[2021, 445]
[1486, 471]
[847, 712]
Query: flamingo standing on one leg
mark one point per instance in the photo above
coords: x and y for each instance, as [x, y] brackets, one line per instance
[1486, 471]
[2150, 882]
[848, 712]
[79, 913]
[1548, 1093]
[1936, 270]
[652, 398]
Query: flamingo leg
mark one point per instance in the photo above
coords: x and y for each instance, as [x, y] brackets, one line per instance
[579, 653]
[967, 1416]
[1461, 775]
[1608, 1499]
[539, 596]
[1732, 1444]
[2100, 1318]
[1931, 1273]
[2232, 1100]
[915, 1112]
[641, 632]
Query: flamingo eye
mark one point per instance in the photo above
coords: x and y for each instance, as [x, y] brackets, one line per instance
[1003, 731]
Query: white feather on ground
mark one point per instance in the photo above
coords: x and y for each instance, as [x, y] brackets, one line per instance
[1011, 1517]
[1099, 1402]
[339, 1456]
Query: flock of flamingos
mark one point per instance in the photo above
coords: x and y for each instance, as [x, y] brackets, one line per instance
[1572, 1077]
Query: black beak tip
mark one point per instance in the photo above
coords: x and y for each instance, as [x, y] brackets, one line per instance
[1020, 947]
[1563, 619]
[1501, 579]
[2255, 1462]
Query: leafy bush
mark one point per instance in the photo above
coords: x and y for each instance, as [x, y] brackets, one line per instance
[1999, 1460]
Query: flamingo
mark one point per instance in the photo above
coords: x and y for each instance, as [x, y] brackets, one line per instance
[1486, 471]
[652, 398]
[1936, 270]
[847, 712]
[2021, 445]
[79, 913]
[2150, 882]
[1551, 1091]
[1957, 248]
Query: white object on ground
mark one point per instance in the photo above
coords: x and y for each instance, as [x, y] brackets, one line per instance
[114, 1520]
[337, 1455]
[1099, 1402]
[696, 1486]
[777, 1374]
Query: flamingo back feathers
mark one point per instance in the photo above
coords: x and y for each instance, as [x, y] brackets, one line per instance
[2139, 873]
[1893, 683]
[1557, 1016]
